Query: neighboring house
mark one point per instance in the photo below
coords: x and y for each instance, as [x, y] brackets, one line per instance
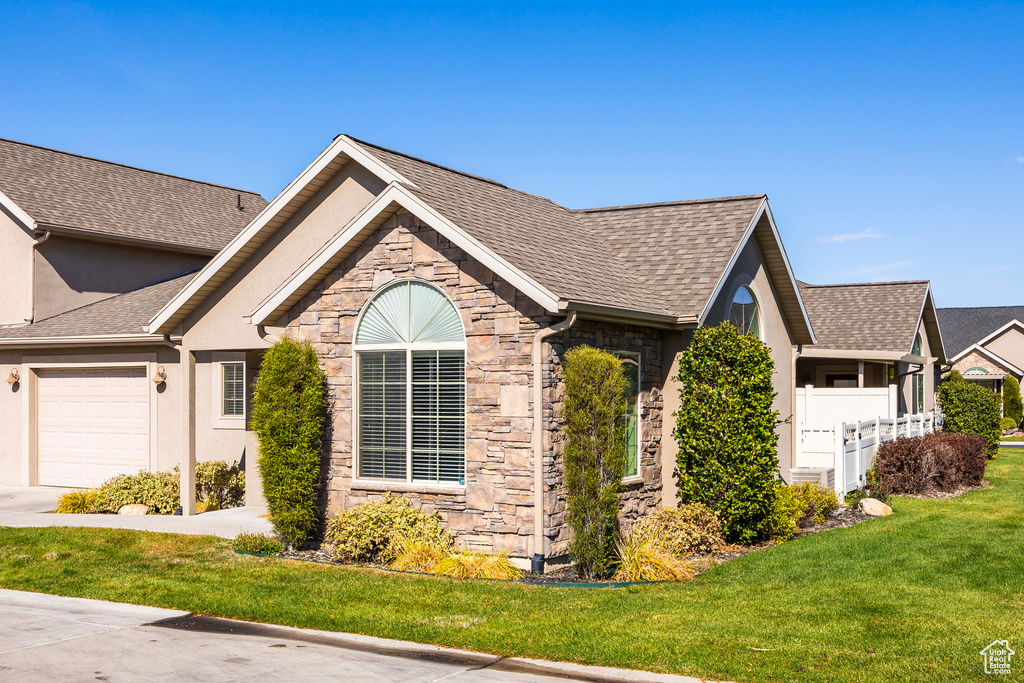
[89, 251]
[986, 344]
[441, 304]
[872, 336]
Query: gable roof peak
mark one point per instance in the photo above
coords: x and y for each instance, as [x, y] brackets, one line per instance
[426, 161]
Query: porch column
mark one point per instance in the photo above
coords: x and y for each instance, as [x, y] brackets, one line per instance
[187, 465]
[860, 374]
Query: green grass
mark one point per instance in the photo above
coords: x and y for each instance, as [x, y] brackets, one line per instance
[1011, 438]
[911, 597]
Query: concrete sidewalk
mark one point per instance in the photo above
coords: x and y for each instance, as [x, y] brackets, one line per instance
[51, 638]
[32, 506]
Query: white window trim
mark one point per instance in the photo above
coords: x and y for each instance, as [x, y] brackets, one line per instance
[408, 484]
[638, 477]
[220, 420]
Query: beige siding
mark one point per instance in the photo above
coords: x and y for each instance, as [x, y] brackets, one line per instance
[71, 272]
[1009, 346]
[15, 272]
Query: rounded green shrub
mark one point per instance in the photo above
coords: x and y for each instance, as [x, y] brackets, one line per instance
[968, 408]
[375, 530]
[593, 420]
[159, 490]
[725, 427]
[1007, 423]
[288, 411]
[683, 530]
[1013, 408]
[257, 544]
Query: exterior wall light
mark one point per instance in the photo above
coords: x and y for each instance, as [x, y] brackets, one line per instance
[14, 377]
[161, 375]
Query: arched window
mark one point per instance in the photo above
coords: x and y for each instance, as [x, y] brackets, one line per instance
[744, 314]
[917, 345]
[411, 387]
[976, 370]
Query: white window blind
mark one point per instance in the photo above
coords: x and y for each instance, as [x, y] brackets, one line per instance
[232, 389]
[382, 415]
[438, 416]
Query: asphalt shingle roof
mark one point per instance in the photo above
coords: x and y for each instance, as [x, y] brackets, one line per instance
[964, 327]
[112, 200]
[877, 316]
[657, 258]
[127, 313]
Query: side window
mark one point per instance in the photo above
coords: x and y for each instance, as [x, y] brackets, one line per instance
[631, 368]
[232, 382]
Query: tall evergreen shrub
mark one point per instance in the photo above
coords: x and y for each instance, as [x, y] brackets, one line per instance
[1012, 406]
[725, 427]
[288, 412]
[595, 454]
[969, 408]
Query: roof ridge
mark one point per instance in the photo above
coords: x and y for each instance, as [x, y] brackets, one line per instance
[113, 296]
[870, 284]
[481, 178]
[709, 200]
[128, 166]
[975, 308]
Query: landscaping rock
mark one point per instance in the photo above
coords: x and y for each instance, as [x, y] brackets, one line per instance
[875, 507]
[133, 509]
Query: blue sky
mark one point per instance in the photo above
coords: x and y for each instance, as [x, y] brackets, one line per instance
[889, 138]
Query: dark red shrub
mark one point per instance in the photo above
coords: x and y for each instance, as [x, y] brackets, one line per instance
[898, 466]
[972, 456]
[936, 462]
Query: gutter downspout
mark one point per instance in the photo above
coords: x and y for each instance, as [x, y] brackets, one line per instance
[32, 278]
[537, 563]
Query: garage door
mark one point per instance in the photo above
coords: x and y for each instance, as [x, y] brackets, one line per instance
[93, 424]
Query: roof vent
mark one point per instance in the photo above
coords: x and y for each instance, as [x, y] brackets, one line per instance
[240, 208]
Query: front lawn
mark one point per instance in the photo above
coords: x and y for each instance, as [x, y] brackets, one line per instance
[911, 597]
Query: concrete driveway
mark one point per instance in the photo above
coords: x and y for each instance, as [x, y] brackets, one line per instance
[32, 506]
[50, 638]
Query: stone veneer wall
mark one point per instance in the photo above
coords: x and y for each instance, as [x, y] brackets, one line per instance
[975, 359]
[640, 495]
[495, 510]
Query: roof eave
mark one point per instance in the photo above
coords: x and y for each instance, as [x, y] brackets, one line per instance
[86, 340]
[100, 236]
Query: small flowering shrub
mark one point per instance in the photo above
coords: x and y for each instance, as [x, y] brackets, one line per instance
[257, 544]
[371, 532]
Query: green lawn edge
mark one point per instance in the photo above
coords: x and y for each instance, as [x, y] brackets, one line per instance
[910, 597]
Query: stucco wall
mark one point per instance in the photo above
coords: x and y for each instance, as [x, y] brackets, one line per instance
[17, 404]
[73, 272]
[15, 272]
[1009, 346]
[220, 322]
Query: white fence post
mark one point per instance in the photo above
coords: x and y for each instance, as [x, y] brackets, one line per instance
[894, 406]
[839, 444]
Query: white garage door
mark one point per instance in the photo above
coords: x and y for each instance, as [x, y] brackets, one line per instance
[93, 424]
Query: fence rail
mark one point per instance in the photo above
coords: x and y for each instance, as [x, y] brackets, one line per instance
[850, 447]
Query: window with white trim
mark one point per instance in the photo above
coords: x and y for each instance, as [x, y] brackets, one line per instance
[631, 368]
[411, 387]
[744, 313]
[232, 390]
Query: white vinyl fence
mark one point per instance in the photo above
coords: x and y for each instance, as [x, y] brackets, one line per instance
[849, 447]
[821, 406]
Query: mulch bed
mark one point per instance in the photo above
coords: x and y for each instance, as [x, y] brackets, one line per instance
[985, 483]
[843, 517]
